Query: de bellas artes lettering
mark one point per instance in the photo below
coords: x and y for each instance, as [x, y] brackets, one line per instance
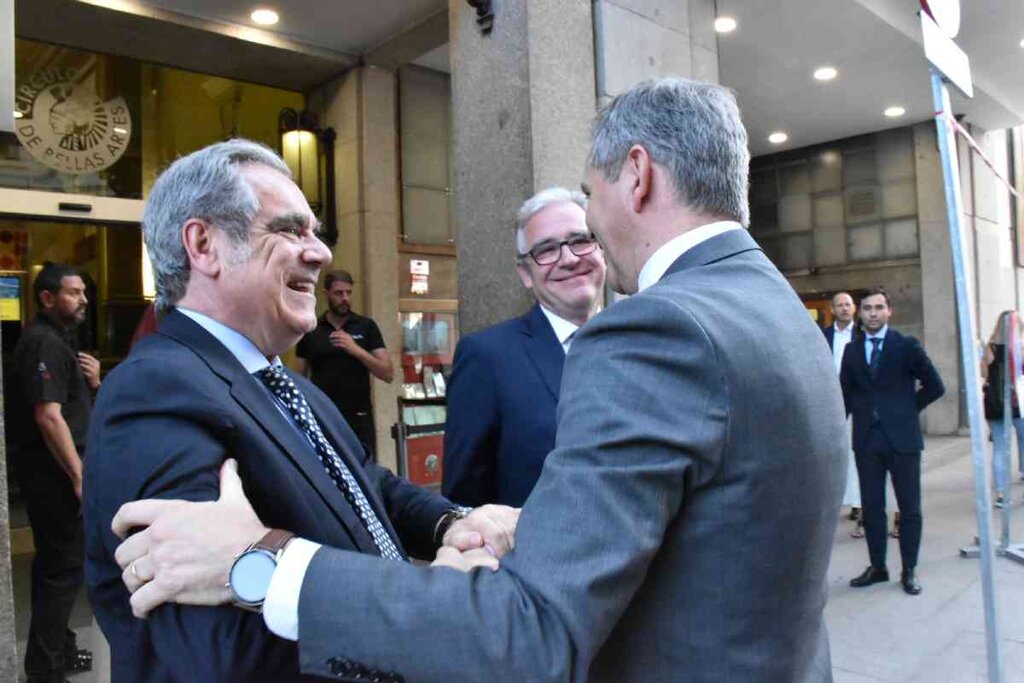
[66, 126]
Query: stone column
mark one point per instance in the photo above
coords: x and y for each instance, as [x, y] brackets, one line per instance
[361, 106]
[641, 39]
[522, 102]
[381, 196]
[938, 303]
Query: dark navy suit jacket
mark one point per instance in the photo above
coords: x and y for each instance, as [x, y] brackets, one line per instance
[830, 335]
[502, 404]
[165, 420]
[905, 384]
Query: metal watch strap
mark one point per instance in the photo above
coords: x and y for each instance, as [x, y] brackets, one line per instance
[445, 521]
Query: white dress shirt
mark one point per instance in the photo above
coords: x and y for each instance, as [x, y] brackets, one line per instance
[840, 338]
[867, 341]
[563, 329]
[662, 259]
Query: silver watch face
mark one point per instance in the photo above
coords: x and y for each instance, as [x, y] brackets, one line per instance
[250, 576]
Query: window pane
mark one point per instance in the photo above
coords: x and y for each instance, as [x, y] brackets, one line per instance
[827, 171]
[764, 218]
[899, 199]
[901, 238]
[426, 216]
[795, 213]
[762, 187]
[828, 210]
[794, 179]
[796, 252]
[830, 246]
[896, 154]
[859, 167]
[864, 242]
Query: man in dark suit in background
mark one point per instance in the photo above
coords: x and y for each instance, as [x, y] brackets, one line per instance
[504, 387]
[887, 381]
[839, 334]
[687, 411]
[236, 254]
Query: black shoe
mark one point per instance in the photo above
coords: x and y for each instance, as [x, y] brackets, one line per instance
[911, 586]
[871, 575]
[854, 514]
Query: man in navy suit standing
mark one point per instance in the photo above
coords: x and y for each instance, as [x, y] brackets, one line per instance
[505, 381]
[887, 380]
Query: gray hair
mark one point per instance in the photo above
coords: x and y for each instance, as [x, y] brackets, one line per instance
[535, 204]
[207, 185]
[690, 128]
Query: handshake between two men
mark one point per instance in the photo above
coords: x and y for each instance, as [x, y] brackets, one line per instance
[178, 554]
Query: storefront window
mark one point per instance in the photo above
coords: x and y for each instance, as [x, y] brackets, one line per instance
[95, 124]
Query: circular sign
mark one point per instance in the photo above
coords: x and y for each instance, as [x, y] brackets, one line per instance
[66, 126]
[946, 14]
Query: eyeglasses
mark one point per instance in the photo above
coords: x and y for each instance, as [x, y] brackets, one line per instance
[547, 253]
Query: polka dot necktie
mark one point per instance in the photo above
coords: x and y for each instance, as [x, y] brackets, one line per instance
[282, 386]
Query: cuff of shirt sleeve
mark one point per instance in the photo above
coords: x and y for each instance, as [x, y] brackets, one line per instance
[281, 606]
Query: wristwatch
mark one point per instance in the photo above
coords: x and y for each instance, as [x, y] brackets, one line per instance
[251, 571]
[446, 520]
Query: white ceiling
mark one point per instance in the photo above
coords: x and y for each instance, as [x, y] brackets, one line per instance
[768, 60]
[347, 26]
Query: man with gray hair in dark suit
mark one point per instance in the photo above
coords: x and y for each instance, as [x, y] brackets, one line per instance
[644, 553]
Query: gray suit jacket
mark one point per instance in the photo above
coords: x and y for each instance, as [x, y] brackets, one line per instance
[681, 528]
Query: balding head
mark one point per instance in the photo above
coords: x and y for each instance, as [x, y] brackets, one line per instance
[843, 309]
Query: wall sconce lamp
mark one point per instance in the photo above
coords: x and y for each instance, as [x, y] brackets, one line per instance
[308, 150]
[484, 14]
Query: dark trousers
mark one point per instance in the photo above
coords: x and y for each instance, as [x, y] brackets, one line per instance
[56, 519]
[873, 461]
[361, 423]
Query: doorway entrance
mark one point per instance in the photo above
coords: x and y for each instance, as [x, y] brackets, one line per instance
[109, 257]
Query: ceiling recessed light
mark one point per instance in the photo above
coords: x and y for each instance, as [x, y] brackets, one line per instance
[17, 114]
[894, 112]
[825, 73]
[1022, 42]
[264, 17]
[725, 24]
[777, 138]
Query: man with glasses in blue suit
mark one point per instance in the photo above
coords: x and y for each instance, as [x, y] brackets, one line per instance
[505, 382]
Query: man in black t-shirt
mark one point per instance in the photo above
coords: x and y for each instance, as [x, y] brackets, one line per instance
[341, 354]
[50, 403]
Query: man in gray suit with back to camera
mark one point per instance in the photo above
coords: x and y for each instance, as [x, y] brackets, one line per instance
[644, 553]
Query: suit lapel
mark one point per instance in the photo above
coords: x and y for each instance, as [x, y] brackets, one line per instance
[247, 391]
[543, 349]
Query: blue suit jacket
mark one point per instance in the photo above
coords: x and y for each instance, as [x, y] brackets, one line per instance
[502, 404]
[165, 420]
[894, 394]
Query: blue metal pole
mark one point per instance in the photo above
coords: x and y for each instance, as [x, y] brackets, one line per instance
[971, 373]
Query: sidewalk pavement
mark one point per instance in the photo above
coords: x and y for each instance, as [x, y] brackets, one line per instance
[877, 633]
[881, 634]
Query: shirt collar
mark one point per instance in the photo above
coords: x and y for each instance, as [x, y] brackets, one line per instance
[563, 328]
[662, 259]
[849, 329]
[237, 343]
[878, 335]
